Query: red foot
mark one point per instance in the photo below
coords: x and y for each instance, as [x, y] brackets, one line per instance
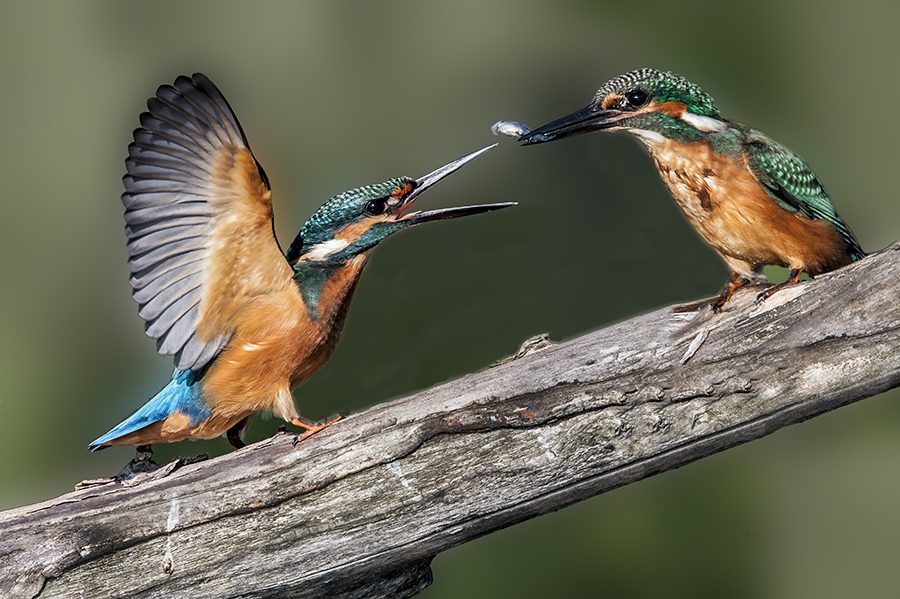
[734, 281]
[791, 280]
[312, 427]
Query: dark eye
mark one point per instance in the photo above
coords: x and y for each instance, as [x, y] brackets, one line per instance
[636, 98]
[376, 207]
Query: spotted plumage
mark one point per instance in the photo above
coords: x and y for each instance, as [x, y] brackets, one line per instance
[245, 323]
[753, 200]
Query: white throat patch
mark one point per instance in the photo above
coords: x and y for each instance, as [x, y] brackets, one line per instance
[321, 251]
[706, 124]
[648, 137]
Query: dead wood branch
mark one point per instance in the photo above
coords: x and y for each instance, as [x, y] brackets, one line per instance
[360, 509]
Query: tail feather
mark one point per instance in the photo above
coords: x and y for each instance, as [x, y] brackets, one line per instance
[853, 248]
[182, 394]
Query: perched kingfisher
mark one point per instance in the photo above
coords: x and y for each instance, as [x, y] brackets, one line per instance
[752, 199]
[245, 322]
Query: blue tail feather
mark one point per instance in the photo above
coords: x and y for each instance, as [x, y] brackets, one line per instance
[182, 394]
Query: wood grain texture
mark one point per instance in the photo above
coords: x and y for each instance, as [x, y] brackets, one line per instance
[360, 509]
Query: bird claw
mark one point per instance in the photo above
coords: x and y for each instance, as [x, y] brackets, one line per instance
[734, 281]
[312, 427]
[792, 279]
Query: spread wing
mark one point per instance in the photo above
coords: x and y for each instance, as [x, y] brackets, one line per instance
[794, 186]
[199, 221]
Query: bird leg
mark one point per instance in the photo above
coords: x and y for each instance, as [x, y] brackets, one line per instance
[235, 432]
[734, 281]
[312, 427]
[791, 280]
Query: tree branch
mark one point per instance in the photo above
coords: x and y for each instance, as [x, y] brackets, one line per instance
[361, 508]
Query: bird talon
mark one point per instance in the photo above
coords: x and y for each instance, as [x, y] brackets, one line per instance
[312, 427]
[237, 431]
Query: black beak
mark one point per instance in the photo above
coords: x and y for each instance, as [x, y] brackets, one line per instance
[445, 213]
[585, 120]
[433, 177]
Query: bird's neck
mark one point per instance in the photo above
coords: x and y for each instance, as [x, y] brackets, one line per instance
[679, 147]
[327, 287]
[673, 125]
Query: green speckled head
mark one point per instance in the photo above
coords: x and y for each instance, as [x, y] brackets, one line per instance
[649, 103]
[375, 203]
[355, 221]
[660, 87]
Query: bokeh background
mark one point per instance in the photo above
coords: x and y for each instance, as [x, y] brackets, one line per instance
[338, 94]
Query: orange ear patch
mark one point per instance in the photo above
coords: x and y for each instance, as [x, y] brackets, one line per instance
[673, 109]
[610, 101]
[354, 231]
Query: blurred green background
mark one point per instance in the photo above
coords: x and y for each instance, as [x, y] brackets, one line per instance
[334, 95]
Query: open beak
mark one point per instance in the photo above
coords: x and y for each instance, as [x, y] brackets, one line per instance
[433, 177]
[585, 120]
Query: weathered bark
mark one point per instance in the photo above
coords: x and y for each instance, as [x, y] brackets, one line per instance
[360, 508]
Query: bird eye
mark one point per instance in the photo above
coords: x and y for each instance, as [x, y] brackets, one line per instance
[636, 98]
[376, 207]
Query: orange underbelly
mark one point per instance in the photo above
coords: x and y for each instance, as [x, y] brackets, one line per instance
[746, 229]
[744, 224]
[276, 348]
[256, 371]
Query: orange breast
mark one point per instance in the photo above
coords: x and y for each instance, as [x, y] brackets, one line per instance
[275, 348]
[736, 216]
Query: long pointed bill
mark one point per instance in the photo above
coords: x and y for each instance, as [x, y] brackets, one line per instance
[582, 121]
[444, 213]
[433, 177]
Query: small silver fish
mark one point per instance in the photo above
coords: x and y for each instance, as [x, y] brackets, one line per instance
[509, 129]
[514, 129]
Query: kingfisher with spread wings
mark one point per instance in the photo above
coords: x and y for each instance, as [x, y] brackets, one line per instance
[245, 322]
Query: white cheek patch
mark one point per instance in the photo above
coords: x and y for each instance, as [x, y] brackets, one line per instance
[706, 124]
[648, 136]
[321, 251]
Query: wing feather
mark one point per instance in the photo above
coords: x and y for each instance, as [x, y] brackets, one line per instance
[142, 278]
[202, 109]
[794, 186]
[165, 134]
[174, 281]
[140, 229]
[140, 187]
[194, 351]
[184, 150]
[158, 256]
[172, 338]
[167, 159]
[156, 170]
[206, 96]
[180, 236]
[191, 182]
[150, 213]
[167, 307]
